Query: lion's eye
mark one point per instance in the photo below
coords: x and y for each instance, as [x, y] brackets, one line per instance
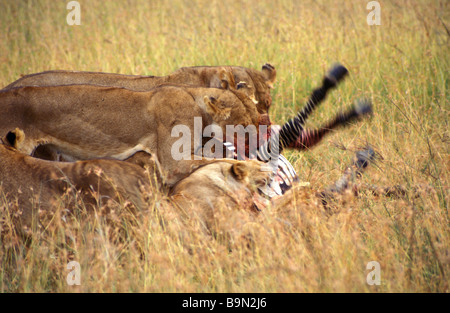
[241, 85]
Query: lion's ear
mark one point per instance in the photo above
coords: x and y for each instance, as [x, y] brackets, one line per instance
[224, 79]
[224, 84]
[14, 138]
[270, 74]
[240, 170]
[215, 109]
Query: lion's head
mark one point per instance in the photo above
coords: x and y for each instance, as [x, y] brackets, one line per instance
[253, 83]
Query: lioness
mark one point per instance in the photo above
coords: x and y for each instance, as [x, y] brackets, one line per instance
[37, 186]
[83, 122]
[255, 84]
[225, 189]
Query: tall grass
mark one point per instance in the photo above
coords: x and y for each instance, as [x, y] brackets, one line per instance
[402, 65]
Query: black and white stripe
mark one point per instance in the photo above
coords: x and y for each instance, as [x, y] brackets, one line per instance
[284, 174]
[293, 128]
[310, 137]
[284, 177]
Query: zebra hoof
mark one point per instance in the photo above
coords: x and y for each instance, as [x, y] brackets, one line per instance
[337, 73]
[363, 107]
[365, 157]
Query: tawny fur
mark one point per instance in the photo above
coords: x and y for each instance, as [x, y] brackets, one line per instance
[36, 185]
[257, 83]
[82, 122]
[222, 185]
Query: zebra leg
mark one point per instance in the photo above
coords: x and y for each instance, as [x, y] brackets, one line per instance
[396, 191]
[347, 181]
[310, 137]
[293, 128]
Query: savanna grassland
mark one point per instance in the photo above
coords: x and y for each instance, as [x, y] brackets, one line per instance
[402, 65]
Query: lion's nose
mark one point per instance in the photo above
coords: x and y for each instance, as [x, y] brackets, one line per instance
[264, 120]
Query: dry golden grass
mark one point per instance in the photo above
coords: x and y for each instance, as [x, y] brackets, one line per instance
[401, 65]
